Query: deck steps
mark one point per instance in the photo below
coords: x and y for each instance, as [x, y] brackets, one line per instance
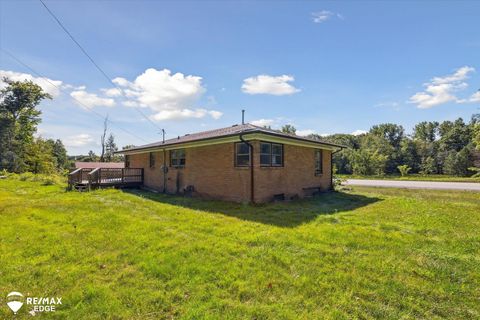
[81, 187]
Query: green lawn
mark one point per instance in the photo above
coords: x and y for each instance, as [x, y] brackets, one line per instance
[366, 253]
[414, 177]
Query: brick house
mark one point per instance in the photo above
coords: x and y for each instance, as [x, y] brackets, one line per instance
[218, 164]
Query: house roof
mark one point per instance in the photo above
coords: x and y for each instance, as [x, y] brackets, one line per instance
[225, 132]
[92, 165]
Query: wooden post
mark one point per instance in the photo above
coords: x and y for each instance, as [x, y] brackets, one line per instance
[123, 175]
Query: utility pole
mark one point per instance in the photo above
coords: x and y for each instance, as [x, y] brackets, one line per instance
[243, 116]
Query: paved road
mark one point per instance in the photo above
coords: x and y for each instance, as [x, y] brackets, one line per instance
[415, 184]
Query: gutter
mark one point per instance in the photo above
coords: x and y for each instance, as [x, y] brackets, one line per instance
[252, 175]
[148, 148]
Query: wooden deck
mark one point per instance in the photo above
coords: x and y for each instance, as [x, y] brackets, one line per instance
[86, 178]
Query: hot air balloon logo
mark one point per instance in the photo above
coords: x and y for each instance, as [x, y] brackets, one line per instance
[15, 301]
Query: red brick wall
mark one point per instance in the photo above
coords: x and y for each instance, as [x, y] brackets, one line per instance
[298, 172]
[212, 172]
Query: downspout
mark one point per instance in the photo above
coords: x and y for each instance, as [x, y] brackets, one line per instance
[164, 169]
[252, 175]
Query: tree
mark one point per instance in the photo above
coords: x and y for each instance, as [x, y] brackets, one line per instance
[39, 157]
[428, 166]
[59, 153]
[92, 157]
[19, 119]
[365, 162]
[102, 139]
[392, 133]
[426, 131]
[457, 163]
[110, 148]
[476, 136]
[290, 129]
[454, 135]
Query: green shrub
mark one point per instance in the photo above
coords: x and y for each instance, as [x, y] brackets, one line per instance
[44, 179]
[49, 181]
[337, 180]
[27, 176]
[404, 169]
[476, 170]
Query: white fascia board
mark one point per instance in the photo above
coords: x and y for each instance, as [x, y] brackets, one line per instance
[247, 137]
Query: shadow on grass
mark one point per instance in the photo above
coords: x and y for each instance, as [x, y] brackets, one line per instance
[285, 214]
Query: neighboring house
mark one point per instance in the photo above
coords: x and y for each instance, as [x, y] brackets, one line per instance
[218, 164]
[93, 165]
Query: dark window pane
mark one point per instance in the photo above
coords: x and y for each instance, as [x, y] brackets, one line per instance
[277, 161]
[242, 148]
[277, 149]
[243, 160]
[242, 154]
[265, 159]
[318, 162]
[177, 158]
[265, 148]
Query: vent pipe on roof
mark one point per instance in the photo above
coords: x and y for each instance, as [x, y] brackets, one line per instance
[243, 116]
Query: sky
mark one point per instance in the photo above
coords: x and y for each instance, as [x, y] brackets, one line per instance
[324, 67]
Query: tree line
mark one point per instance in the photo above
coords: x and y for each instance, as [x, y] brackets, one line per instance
[20, 149]
[448, 147]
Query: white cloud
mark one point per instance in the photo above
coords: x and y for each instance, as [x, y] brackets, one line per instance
[265, 84]
[185, 114]
[390, 104]
[91, 100]
[475, 97]
[263, 122]
[324, 15]
[358, 132]
[78, 140]
[113, 92]
[459, 75]
[275, 123]
[42, 82]
[441, 90]
[169, 96]
[306, 132]
[121, 81]
[215, 114]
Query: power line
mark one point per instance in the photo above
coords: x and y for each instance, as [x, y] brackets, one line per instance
[78, 101]
[110, 81]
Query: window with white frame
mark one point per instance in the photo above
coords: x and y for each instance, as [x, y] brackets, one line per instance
[152, 159]
[242, 154]
[271, 154]
[177, 158]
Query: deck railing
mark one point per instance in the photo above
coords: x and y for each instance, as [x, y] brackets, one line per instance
[105, 177]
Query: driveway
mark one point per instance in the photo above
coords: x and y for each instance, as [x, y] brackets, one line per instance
[414, 184]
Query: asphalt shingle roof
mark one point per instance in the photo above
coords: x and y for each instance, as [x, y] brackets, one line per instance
[224, 132]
